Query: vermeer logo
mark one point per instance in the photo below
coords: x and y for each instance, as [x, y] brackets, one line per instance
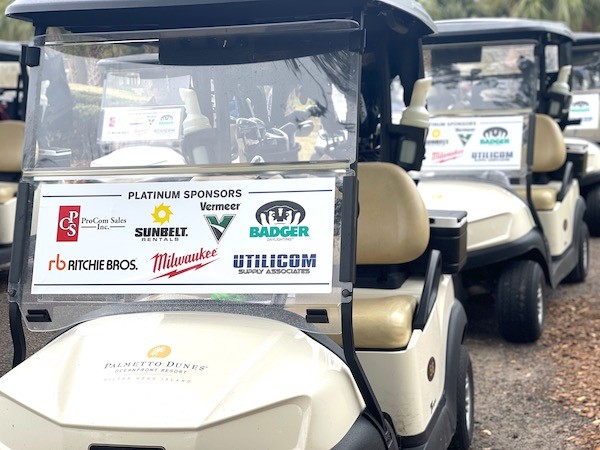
[280, 219]
[160, 351]
[68, 223]
[464, 137]
[219, 226]
[495, 136]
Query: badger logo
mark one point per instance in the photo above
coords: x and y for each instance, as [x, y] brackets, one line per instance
[495, 136]
[495, 133]
[280, 220]
[281, 212]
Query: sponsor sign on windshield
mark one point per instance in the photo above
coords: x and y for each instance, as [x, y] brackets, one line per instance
[474, 143]
[244, 236]
[585, 107]
[141, 124]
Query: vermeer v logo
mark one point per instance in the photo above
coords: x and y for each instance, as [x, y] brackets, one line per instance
[219, 226]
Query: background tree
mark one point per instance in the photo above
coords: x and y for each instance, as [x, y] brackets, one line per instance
[11, 29]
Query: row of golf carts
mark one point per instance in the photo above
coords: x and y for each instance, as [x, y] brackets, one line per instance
[247, 231]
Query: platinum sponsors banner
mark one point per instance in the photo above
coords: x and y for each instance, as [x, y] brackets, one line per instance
[245, 236]
[585, 107]
[474, 143]
[141, 124]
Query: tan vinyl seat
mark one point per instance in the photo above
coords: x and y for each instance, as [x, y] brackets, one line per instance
[393, 228]
[549, 154]
[12, 134]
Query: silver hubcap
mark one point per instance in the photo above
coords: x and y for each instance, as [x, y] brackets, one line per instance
[584, 255]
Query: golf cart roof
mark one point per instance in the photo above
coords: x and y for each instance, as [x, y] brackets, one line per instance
[586, 38]
[10, 51]
[461, 30]
[110, 14]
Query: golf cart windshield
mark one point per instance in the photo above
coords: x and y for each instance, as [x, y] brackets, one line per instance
[481, 97]
[481, 77]
[585, 106]
[188, 170]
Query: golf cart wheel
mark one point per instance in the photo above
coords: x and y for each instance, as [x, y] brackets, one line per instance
[592, 213]
[520, 301]
[465, 405]
[580, 271]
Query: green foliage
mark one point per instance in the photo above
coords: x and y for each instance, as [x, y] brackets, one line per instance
[12, 29]
[578, 14]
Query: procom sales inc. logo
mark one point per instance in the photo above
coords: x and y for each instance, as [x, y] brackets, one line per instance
[280, 219]
[68, 223]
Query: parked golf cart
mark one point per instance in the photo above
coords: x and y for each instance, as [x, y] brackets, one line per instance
[495, 149]
[198, 275]
[13, 86]
[583, 137]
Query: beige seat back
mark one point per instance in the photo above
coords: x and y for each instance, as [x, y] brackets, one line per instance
[12, 134]
[549, 151]
[393, 225]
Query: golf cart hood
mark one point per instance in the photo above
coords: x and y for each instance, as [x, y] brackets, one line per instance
[204, 370]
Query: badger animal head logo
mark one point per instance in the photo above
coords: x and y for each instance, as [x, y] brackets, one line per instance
[280, 212]
[495, 133]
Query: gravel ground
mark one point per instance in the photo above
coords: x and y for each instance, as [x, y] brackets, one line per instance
[544, 395]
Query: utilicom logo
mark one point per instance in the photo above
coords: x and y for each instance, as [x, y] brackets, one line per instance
[68, 223]
[495, 136]
[280, 219]
[161, 215]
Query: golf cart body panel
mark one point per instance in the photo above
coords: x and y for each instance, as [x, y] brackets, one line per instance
[179, 118]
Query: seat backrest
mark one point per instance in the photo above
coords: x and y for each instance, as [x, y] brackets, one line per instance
[393, 224]
[12, 134]
[549, 151]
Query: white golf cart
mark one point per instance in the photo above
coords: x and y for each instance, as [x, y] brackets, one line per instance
[495, 149]
[584, 137]
[196, 242]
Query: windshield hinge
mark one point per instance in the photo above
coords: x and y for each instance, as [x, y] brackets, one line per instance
[357, 41]
[31, 55]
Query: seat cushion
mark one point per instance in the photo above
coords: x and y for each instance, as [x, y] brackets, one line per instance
[7, 191]
[381, 323]
[544, 197]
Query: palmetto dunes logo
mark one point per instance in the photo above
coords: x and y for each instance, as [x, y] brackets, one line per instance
[160, 351]
[219, 226]
[280, 219]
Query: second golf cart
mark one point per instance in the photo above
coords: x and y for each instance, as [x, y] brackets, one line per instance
[496, 150]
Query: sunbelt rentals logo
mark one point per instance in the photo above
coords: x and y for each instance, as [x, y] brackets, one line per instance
[280, 220]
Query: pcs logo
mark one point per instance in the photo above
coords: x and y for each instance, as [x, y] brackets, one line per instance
[280, 219]
[495, 136]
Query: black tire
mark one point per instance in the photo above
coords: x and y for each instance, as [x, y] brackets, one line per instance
[592, 213]
[465, 405]
[580, 271]
[520, 301]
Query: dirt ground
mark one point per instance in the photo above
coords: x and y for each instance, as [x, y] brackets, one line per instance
[542, 396]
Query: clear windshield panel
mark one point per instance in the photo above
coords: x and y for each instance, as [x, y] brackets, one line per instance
[105, 100]
[481, 77]
[212, 228]
[586, 68]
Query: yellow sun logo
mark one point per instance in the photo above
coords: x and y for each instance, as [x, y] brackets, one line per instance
[162, 214]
